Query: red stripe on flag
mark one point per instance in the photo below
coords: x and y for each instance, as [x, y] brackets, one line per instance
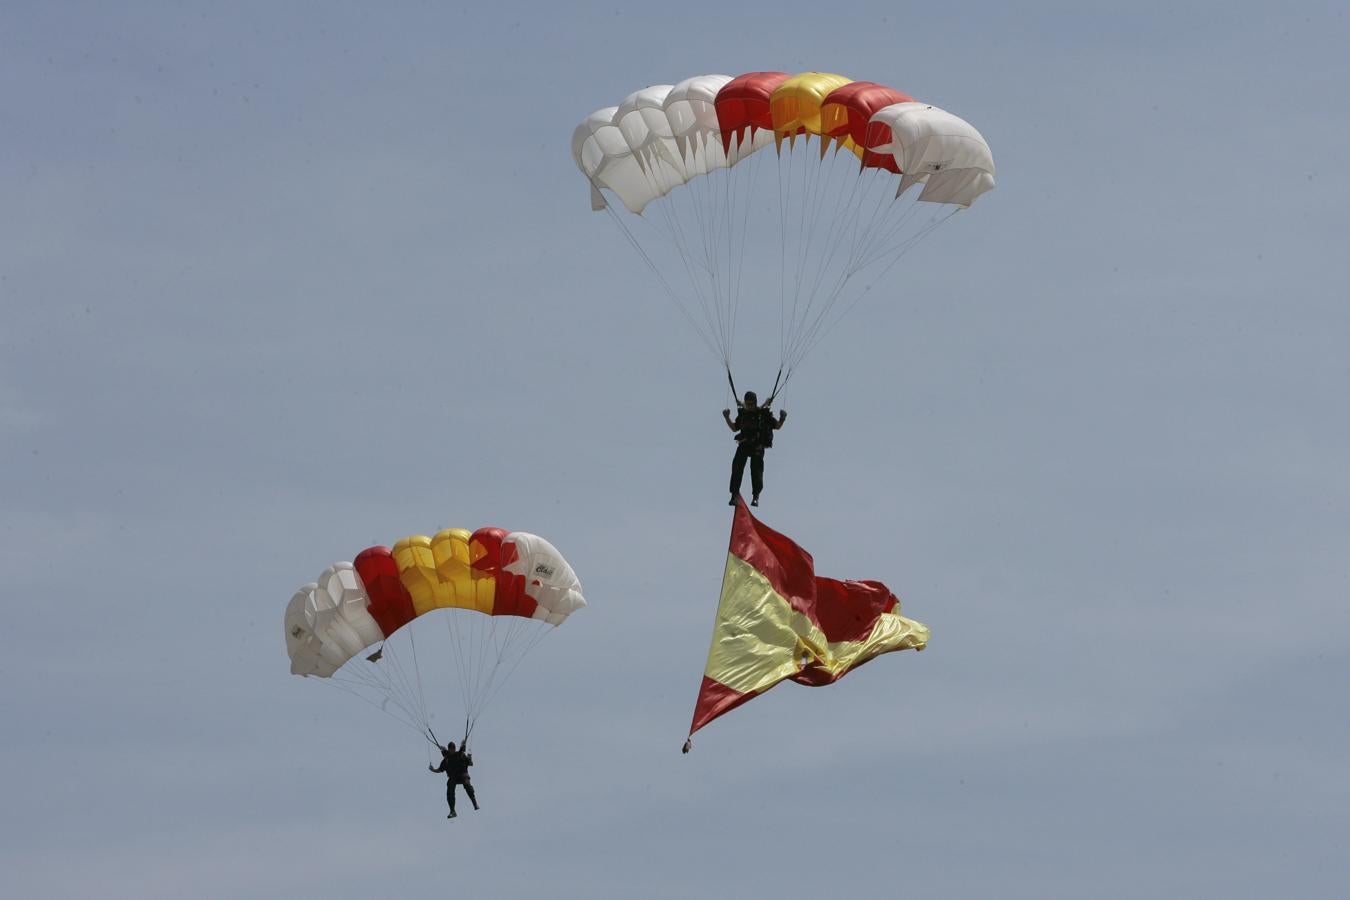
[715, 698]
[788, 568]
[843, 610]
[848, 610]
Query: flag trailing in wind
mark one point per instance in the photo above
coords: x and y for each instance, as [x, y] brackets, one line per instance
[777, 620]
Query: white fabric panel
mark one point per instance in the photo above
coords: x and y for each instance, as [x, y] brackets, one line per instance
[641, 118]
[549, 580]
[934, 147]
[348, 593]
[958, 186]
[692, 118]
[328, 622]
[603, 155]
[656, 140]
[302, 644]
[321, 614]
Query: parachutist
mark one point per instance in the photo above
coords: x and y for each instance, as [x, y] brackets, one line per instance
[754, 426]
[455, 764]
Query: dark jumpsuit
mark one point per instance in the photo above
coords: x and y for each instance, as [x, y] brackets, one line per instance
[455, 765]
[754, 433]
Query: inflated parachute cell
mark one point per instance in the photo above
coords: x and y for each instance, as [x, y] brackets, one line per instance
[489, 572]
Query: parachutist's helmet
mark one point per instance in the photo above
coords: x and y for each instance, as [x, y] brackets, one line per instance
[751, 399]
[450, 747]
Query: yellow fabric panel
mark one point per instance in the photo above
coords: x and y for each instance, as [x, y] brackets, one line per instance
[753, 642]
[436, 572]
[834, 116]
[891, 632]
[760, 639]
[795, 104]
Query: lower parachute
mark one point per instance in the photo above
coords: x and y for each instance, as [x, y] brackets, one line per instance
[495, 593]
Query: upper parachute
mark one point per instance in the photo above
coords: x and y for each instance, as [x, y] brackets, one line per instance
[662, 136]
[686, 158]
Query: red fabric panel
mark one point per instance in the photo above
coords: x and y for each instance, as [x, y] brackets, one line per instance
[485, 549]
[848, 610]
[509, 597]
[390, 603]
[843, 610]
[862, 99]
[743, 104]
[714, 699]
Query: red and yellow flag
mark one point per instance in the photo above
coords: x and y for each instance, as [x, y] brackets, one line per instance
[778, 620]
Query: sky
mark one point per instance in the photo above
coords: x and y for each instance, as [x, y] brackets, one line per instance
[282, 281]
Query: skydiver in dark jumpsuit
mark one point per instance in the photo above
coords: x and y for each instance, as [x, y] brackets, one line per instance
[754, 427]
[455, 764]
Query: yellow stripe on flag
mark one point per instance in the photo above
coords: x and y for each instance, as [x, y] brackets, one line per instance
[761, 640]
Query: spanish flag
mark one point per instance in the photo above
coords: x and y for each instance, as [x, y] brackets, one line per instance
[778, 620]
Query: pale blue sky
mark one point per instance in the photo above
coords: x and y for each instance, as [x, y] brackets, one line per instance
[280, 281]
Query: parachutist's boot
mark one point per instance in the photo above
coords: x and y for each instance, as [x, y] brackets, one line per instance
[754, 501]
[452, 814]
[732, 501]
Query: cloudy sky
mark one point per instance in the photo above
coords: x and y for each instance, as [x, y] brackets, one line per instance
[281, 281]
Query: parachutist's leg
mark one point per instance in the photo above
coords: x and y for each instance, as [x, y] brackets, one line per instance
[757, 474]
[738, 469]
[468, 789]
[450, 798]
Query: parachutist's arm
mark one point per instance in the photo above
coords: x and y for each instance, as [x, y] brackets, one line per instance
[440, 768]
[782, 417]
[726, 414]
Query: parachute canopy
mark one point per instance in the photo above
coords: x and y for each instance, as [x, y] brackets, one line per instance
[777, 621]
[666, 135]
[846, 156]
[496, 594]
[489, 571]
